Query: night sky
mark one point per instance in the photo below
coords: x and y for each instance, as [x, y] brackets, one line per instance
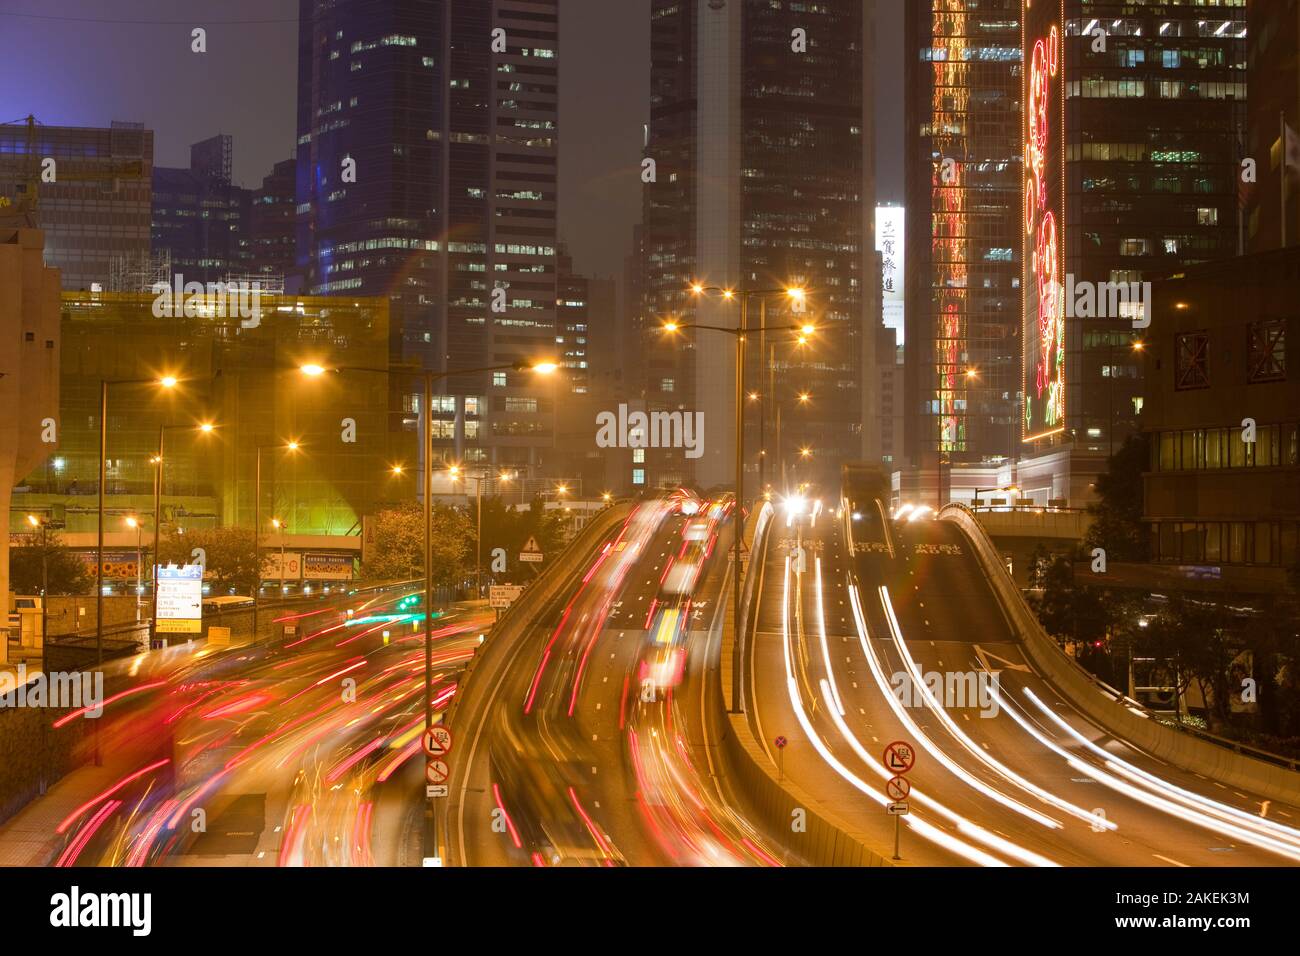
[83, 66]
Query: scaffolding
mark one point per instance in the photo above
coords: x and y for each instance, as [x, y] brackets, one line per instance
[139, 272]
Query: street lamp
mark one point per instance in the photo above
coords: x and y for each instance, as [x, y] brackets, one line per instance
[167, 382]
[133, 522]
[290, 446]
[796, 295]
[315, 370]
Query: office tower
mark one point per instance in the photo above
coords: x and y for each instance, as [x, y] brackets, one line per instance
[200, 218]
[963, 233]
[761, 134]
[427, 174]
[95, 211]
[1133, 124]
[271, 229]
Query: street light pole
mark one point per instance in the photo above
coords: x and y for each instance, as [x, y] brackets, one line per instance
[739, 332]
[426, 441]
[157, 523]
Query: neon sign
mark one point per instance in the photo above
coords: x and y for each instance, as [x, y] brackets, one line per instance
[1045, 318]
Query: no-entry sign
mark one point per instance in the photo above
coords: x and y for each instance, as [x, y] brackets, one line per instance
[900, 757]
[897, 788]
[437, 741]
[436, 771]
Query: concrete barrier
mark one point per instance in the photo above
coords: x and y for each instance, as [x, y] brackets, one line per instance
[1118, 716]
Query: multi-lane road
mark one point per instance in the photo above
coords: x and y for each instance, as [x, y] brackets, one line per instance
[589, 744]
[904, 639]
[588, 730]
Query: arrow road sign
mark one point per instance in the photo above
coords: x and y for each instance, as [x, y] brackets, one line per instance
[900, 757]
[437, 741]
[897, 810]
[435, 790]
[436, 771]
[897, 788]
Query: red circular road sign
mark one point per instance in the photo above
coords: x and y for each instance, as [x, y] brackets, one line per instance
[897, 788]
[437, 741]
[781, 742]
[436, 771]
[900, 757]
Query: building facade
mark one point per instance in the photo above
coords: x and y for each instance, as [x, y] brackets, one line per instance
[1223, 414]
[963, 161]
[200, 218]
[761, 145]
[95, 211]
[426, 173]
[1133, 128]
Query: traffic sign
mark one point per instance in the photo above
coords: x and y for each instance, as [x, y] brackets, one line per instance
[781, 742]
[532, 551]
[435, 790]
[900, 757]
[897, 788]
[503, 595]
[436, 771]
[897, 810]
[437, 741]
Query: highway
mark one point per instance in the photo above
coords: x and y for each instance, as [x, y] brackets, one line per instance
[287, 754]
[905, 640]
[586, 745]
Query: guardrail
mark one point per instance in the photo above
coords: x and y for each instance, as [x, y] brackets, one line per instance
[1250, 768]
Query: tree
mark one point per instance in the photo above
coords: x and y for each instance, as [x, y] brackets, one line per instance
[398, 551]
[230, 558]
[47, 555]
[509, 528]
[1117, 514]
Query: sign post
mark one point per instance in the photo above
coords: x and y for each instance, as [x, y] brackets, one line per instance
[531, 552]
[437, 742]
[780, 756]
[899, 758]
[180, 599]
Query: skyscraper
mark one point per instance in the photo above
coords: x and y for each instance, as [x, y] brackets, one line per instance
[427, 174]
[199, 216]
[1133, 129]
[761, 138]
[963, 161]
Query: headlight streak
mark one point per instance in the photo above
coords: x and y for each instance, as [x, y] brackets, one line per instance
[855, 601]
[960, 736]
[1195, 809]
[926, 830]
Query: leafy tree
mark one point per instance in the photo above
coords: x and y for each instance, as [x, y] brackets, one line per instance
[1117, 514]
[1067, 611]
[67, 574]
[509, 528]
[230, 557]
[398, 552]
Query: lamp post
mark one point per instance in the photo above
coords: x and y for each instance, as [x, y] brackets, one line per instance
[426, 444]
[133, 522]
[478, 480]
[168, 381]
[290, 446]
[739, 332]
[205, 428]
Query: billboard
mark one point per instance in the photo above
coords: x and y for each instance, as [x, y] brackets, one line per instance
[327, 567]
[1043, 359]
[889, 243]
[273, 560]
[180, 599]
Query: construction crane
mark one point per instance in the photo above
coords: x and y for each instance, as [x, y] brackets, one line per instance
[23, 209]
